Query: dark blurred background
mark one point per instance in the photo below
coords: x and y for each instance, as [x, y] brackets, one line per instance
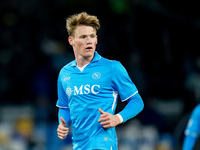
[157, 42]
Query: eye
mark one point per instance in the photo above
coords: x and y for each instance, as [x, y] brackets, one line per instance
[93, 36]
[83, 36]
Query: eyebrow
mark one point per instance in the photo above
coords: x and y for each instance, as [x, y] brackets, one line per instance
[88, 34]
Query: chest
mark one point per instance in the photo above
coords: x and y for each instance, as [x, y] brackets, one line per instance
[88, 82]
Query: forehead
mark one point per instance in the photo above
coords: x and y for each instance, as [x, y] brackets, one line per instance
[82, 29]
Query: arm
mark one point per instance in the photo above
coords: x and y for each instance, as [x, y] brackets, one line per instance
[192, 129]
[134, 106]
[189, 142]
[122, 83]
[65, 114]
[64, 120]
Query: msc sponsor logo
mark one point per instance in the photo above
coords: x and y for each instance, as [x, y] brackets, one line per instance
[83, 89]
[69, 91]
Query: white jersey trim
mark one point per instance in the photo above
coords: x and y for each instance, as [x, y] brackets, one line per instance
[61, 106]
[81, 68]
[120, 118]
[129, 96]
[115, 94]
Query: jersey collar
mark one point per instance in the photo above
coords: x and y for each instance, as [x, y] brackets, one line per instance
[97, 57]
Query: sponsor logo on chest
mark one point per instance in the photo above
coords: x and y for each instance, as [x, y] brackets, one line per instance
[83, 89]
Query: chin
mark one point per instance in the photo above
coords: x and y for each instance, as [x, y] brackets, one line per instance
[89, 53]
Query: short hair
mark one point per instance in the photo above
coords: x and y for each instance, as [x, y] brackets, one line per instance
[81, 19]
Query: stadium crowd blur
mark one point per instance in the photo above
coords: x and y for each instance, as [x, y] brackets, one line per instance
[157, 41]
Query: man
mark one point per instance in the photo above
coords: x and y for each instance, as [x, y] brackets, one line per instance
[88, 89]
[192, 130]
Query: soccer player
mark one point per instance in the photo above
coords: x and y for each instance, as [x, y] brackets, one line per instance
[88, 89]
[192, 130]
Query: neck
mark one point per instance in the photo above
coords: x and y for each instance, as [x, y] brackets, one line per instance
[82, 61]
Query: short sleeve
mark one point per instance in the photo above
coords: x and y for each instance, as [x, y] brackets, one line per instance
[62, 98]
[122, 83]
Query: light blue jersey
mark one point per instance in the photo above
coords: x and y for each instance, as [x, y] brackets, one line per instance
[97, 86]
[192, 130]
[193, 126]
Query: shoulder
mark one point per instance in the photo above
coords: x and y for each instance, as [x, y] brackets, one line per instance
[196, 112]
[113, 65]
[197, 109]
[67, 67]
[108, 62]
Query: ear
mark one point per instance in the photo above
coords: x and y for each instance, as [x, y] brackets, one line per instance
[96, 39]
[70, 40]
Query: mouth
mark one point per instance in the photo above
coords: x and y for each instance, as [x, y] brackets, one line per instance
[89, 48]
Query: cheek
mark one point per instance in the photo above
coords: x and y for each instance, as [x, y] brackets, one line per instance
[79, 43]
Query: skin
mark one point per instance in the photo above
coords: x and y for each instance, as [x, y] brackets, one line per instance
[84, 44]
[62, 129]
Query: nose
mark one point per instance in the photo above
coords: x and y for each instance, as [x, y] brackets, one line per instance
[89, 40]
